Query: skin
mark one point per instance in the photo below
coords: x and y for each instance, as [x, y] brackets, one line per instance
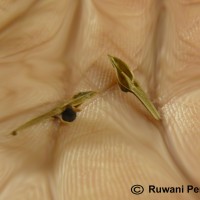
[50, 50]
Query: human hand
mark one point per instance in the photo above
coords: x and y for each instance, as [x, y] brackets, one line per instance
[51, 50]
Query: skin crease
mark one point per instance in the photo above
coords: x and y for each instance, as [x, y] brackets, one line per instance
[50, 50]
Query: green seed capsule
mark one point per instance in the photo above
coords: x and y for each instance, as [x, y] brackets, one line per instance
[66, 109]
[128, 83]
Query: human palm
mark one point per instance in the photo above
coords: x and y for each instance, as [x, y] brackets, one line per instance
[50, 50]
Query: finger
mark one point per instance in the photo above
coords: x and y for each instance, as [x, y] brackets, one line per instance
[179, 83]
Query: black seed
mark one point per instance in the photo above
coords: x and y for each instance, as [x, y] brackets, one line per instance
[68, 114]
[14, 133]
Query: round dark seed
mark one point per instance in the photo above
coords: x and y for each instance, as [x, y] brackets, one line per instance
[68, 114]
[14, 133]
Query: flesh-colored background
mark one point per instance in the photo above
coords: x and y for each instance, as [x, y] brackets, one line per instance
[50, 50]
